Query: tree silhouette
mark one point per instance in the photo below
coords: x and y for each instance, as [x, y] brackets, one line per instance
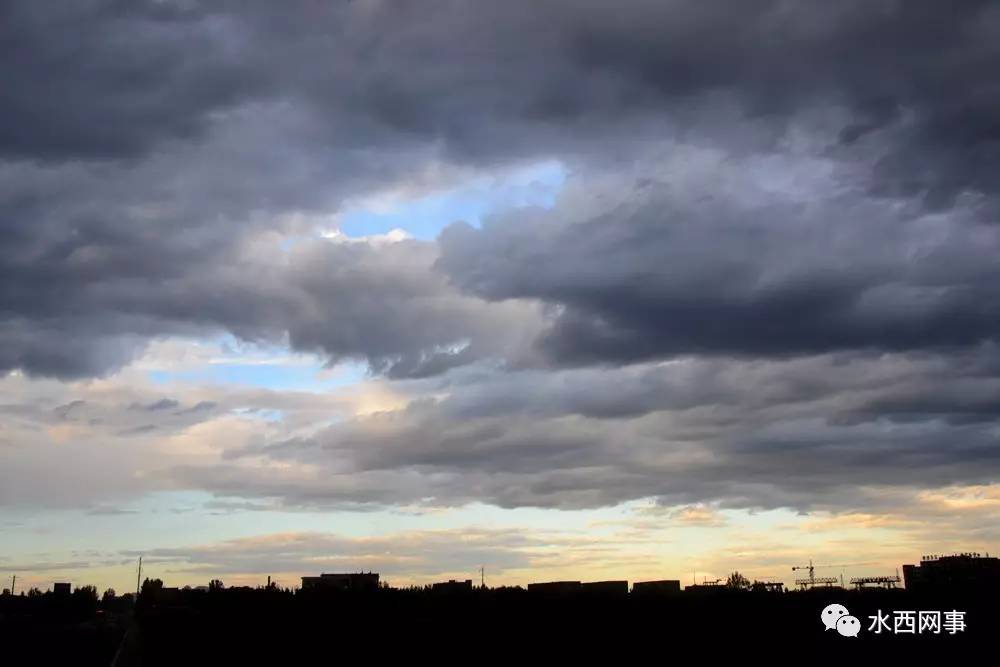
[737, 581]
[88, 593]
[151, 586]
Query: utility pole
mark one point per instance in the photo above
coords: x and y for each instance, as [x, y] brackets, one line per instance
[482, 578]
[138, 579]
[12, 582]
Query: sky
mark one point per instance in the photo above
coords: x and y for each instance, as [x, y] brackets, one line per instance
[559, 290]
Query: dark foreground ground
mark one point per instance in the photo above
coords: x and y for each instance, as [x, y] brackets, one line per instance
[273, 627]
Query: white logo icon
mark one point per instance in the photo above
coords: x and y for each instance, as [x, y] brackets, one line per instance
[832, 614]
[848, 626]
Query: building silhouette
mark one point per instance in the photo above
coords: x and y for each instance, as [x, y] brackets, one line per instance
[62, 588]
[706, 588]
[452, 586]
[659, 587]
[556, 587]
[767, 587]
[618, 587]
[606, 587]
[354, 581]
[965, 571]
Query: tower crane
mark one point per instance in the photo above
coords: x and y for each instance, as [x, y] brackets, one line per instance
[812, 581]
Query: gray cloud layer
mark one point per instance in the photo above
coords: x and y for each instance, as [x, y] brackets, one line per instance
[143, 141]
[770, 192]
[815, 432]
[677, 271]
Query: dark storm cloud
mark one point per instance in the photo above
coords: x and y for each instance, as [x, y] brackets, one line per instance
[144, 141]
[85, 303]
[752, 187]
[675, 272]
[924, 66]
[107, 80]
[104, 78]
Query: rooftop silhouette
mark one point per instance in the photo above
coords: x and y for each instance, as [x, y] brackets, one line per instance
[268, 624]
